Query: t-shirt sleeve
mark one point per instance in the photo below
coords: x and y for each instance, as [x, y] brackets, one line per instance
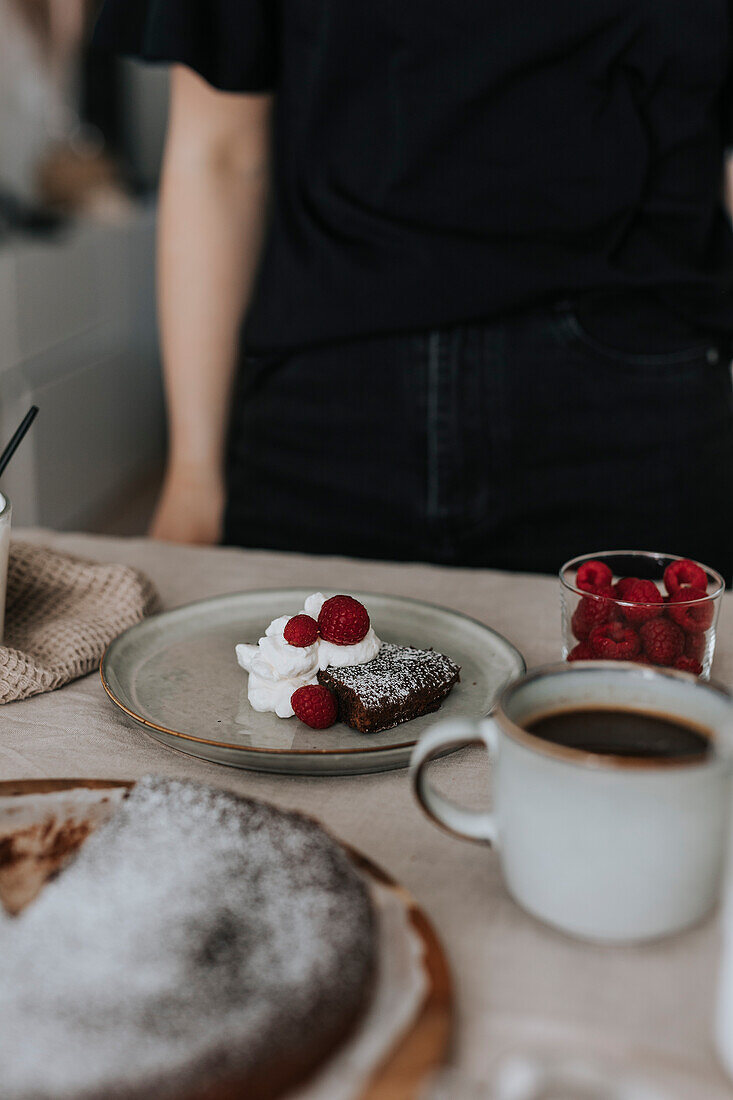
[230, 43]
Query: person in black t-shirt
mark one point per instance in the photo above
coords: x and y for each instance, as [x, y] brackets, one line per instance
[484, 265]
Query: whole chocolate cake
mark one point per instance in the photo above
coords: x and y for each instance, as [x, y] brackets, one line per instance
[199, 944]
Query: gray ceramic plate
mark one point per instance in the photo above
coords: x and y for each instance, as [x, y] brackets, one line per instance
[176, 675]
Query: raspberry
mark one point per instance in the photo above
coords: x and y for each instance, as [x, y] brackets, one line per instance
[591, 612]
[605, 590]
[614, 642]
[579, 625]
[684, 572]
[581, 652]
[688, 664]
[663, 641]
[695, 646]
[301, 631]
[343, 620]
[592, 575]
[622, 586]
[315, 705]
[647, 596]
[693, 617]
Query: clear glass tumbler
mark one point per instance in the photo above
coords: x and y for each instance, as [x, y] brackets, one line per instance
[643, 606]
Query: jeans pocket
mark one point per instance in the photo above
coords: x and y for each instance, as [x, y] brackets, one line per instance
[699, 352]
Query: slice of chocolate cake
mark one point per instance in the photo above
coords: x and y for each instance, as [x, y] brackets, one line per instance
[400, 683]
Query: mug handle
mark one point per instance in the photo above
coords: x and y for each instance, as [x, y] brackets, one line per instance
[470, 824]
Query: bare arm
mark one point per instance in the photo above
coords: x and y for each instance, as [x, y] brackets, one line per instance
[212, 202]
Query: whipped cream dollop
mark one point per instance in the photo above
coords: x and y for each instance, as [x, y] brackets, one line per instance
[277, 669]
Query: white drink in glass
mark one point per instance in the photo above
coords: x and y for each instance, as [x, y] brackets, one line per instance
[4, 552]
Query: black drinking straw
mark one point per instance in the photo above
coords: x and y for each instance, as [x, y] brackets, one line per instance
[15, 442]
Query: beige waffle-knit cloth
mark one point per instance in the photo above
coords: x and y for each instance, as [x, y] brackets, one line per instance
[61, 614]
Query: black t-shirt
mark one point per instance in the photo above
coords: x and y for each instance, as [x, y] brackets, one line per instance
[445, 162]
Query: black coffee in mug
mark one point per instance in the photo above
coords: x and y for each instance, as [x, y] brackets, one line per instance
[617, 731]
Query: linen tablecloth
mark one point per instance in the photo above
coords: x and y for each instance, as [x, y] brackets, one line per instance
[519, 986]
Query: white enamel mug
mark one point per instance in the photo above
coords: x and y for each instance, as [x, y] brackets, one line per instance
[610, 848]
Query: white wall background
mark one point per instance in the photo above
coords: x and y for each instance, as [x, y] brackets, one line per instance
[77, 312]
[78, 338]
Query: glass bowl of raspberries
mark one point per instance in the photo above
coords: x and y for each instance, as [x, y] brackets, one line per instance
[637, 605]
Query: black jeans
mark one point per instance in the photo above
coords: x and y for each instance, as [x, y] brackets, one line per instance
[514, 445]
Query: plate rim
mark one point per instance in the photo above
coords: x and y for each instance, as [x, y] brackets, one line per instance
[434, 1017]
[298, 753]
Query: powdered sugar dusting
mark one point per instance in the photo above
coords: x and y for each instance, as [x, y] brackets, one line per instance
[195, 932]
[395, 675]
